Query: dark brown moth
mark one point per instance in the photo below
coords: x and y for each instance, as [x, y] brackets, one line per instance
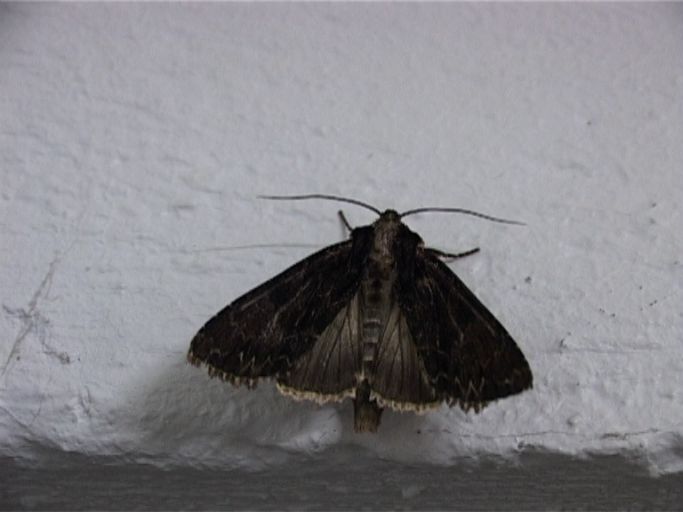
[379, 318]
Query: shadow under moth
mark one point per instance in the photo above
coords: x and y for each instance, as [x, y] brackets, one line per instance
[379, 318]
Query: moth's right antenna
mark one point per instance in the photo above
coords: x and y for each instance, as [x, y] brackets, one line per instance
[461, 210]
[324, 196]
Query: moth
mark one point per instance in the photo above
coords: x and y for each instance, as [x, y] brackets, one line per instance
[379, 318]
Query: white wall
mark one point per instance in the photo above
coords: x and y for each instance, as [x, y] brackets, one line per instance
[134, 139]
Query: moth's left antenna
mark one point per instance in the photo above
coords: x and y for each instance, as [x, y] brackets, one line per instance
[324, 196]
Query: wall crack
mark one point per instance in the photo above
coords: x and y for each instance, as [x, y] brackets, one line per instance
[31, 317]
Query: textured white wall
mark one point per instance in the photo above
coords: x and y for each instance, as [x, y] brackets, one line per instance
[134, 139]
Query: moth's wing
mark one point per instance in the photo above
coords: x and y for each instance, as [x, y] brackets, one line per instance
[469, 356]
[267, 330]
[400, 380]
[328, 370]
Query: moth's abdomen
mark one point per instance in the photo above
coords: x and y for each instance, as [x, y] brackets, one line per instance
[376, 289]
[375, 299]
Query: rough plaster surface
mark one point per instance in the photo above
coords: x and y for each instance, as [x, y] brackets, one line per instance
[134, 139]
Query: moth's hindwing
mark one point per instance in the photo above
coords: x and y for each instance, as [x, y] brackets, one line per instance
[468, 355]
[400, 380]
[328, 370]
[266, 331]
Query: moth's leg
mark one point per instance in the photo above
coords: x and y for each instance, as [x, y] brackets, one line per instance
[344, 221]
[451, 256]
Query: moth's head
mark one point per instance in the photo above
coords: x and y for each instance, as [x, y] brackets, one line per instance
[389, 217]
[388, 224]
[390, 235]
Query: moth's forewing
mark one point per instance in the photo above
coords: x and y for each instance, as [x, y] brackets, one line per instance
[269, 329]
[469, 356]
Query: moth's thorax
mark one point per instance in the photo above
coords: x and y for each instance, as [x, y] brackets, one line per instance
[386, 230]
[379, 275]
